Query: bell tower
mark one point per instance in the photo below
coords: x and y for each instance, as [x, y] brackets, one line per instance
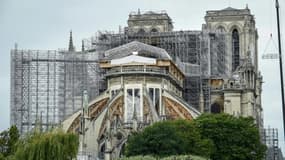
[238, 26]
[149, 22]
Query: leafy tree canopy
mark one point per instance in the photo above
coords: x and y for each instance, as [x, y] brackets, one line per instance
[233, 137]
[1, 156]
[214, 136]
[180, 157]
[55, 145]
[169, 138]
[8, 140]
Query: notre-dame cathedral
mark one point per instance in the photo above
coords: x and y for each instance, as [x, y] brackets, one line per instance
[153, 73]
[179, 74]
[220, 62]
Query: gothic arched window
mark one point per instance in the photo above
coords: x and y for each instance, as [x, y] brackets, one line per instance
[221, 29]
[221, 50]
[154, 30]
[216, 108]
[141, 31]
[235, 49]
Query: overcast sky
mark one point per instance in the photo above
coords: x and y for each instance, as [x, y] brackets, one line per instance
[45, 24]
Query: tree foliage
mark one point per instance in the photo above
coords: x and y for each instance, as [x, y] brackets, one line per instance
[1, 156]
[180, 157]
[214, 136]
[233, 137]
[8, 140]
[54, 145]
[168, 138]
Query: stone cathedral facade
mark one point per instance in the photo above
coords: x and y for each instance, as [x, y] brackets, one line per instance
[240, 89]
[154, 73]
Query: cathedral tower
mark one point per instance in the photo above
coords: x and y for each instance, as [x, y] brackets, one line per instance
[149, 22]
[238, 26]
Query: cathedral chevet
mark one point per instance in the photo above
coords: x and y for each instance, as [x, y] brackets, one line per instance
[143, 86]
[148, 72]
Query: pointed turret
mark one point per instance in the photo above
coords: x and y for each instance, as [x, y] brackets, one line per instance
[82, 47]
[70, 46]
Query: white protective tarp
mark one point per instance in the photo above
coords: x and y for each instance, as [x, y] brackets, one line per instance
[133, 59]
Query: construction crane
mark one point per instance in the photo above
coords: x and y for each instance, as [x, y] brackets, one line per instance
[277, 56]
[280, 62]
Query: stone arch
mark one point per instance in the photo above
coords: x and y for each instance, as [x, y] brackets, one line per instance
[154, 30]
[141, 31]
[236, 26]
[231, 84]
[122, 150]
[175, 110]
[122, 142]
[112, 109]
[75, 124]
[102, 149]
[96, 108]
[221, 25]
[216, 108]
[221, 29]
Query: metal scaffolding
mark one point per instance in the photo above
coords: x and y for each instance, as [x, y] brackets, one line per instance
[269, 137]
[200, 55]
[47, 86]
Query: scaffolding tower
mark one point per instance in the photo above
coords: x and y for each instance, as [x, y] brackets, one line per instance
[47, 86]
[269, 137]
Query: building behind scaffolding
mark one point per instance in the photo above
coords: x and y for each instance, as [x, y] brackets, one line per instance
[219, 62]
[47, 86]
[270, 139]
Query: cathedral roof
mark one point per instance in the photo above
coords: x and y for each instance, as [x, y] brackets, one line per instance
[151, 12]
[141, 49]
[133, 59]
[229, 9]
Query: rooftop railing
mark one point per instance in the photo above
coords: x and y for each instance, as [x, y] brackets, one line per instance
[142, 69]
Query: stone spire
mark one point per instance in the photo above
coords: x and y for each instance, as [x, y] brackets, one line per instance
[70, 46]
[82, 47]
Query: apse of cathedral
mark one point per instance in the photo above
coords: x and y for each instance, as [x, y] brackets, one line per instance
[144, 87]
[153, 73]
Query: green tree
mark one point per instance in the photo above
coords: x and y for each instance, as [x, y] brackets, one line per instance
[1, 156]
[8, 140]
[54, 145]
[168, 138]
[4, 138]
[233, 137]
[176, 157]
[13, 139]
